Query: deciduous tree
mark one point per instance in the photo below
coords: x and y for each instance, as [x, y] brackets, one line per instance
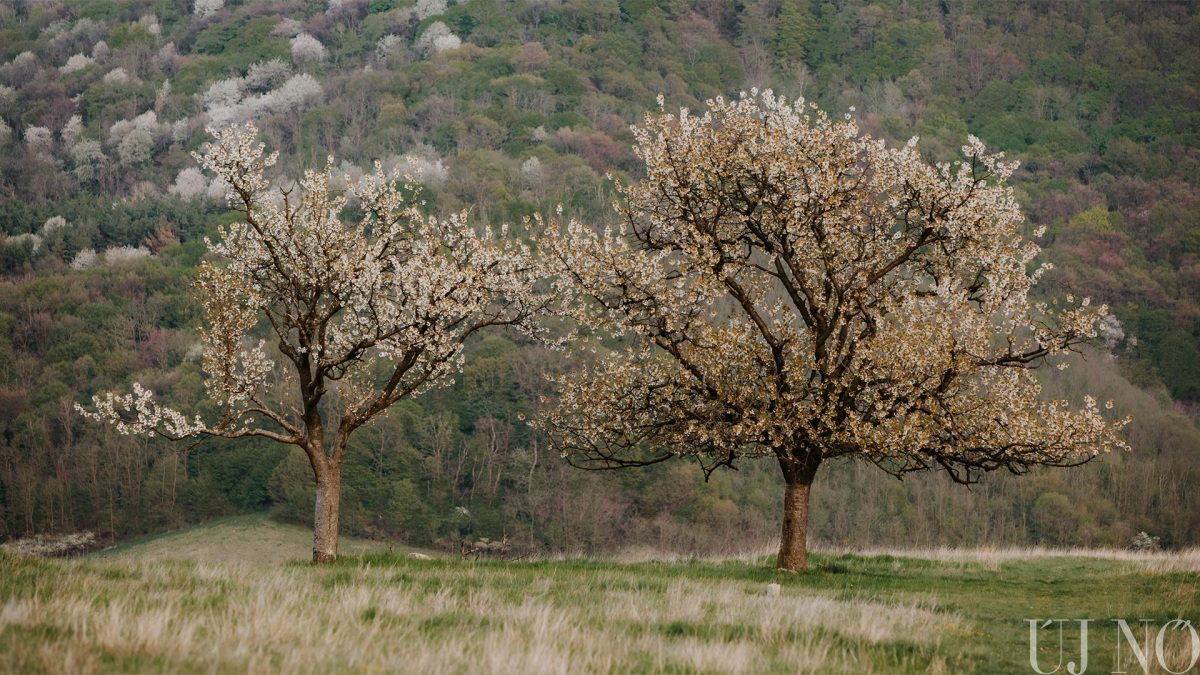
[361, 314]
[794, 289]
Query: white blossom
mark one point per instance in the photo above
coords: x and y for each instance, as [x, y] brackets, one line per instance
[25, 59]
[20, 240]
[84, 260]
[71, 130]
[189, 184]
[428, 8]
[437, 38]
[218, 189]
[531, 172]
[39, 140]
[287, 27]
[1113, 334]
[76, 62]
[150, 22]
[426, 166]
[53, 224]
[116, 76]
[181, 130]
[124, 255]
[87, 155]
[386, 45]
[203, 9]
[397, 292]
[792, 288]
[306, 47]
[226, 92]
[137, 147]
[266, 75]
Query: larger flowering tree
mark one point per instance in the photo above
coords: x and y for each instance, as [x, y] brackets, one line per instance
[793, 289]
[359, 314]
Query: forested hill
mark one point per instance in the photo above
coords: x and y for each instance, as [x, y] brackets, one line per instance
[513, 106]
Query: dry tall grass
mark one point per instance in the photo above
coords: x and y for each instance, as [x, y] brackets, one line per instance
[441, 619]
[1187, 560]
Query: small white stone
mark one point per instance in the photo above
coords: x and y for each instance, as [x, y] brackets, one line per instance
[773, 590]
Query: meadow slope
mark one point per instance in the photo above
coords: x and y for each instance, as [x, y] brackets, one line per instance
[387, 612]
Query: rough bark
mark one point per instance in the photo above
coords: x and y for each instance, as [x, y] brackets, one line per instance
[325, 524]
[798, 473]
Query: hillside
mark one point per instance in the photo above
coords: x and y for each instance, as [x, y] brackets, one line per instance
[511, 107]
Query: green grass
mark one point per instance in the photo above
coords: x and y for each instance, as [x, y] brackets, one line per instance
[253, 538]
[130, 610]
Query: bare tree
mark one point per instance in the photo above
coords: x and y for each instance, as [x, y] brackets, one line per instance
[362, 314]
[797, 290]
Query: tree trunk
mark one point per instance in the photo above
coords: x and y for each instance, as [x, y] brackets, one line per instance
[325, 526]
[799, 474]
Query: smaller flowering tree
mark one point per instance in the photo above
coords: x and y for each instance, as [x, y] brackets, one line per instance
[796, 290]
[361, 314]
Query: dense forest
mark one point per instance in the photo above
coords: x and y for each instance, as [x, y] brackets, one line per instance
[509, 108]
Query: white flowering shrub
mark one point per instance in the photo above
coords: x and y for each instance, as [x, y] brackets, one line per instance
[202, 9]
[100, 50]
[1113, 333]
[266, 75]
[116, 76]
[306, 47]
[150, 22]
[88, 152]
[425, 165]
[287, 27]
[386, 45]
[84, 260]
[437, 38]
[34, 241]
[1144, 542]
[427, 8]
[218, 189]
[25, 60]
[125, 255]
[39, 140]
[299, 92]
[71, 130]
[136, 148]
[147, 121]
[531, 172]
[76, 62]
[53, 224]
[181, 130]
[6, 132]
[223, 93]
[190, 183]
[166, 59]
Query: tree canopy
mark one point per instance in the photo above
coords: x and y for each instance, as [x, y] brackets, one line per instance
[800, 290]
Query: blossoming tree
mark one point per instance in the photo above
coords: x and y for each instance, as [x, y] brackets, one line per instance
[794, 289]
[360, 314]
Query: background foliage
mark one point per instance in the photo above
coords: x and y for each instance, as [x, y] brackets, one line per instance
[511, 107]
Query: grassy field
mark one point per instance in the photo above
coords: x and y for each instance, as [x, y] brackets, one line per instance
[131, 610]
[253, 539]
